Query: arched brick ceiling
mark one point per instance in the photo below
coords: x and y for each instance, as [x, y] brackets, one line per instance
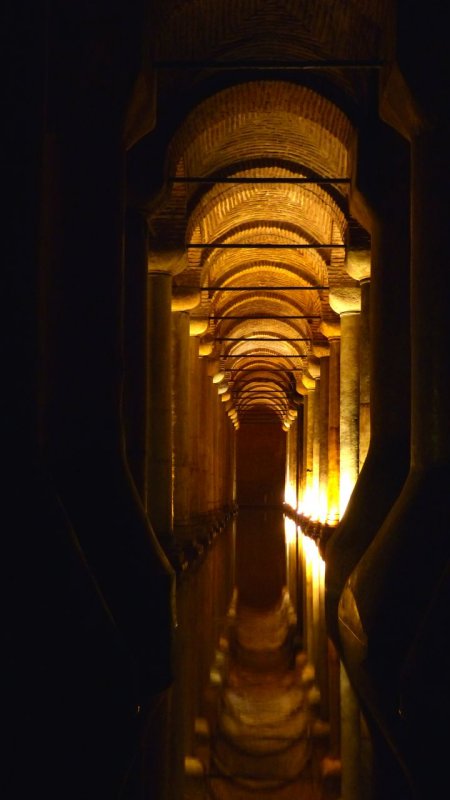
[263, 118]
[264, 30]
[266, 240]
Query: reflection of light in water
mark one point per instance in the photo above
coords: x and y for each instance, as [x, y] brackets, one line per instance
[311, 554]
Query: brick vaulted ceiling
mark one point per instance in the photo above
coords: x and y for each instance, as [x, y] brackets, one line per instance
[270, 95]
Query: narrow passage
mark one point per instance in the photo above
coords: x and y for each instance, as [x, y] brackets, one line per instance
[267, 739]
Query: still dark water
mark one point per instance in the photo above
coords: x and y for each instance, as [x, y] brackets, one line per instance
[260, 556]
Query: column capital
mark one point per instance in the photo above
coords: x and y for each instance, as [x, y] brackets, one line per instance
[345, 299]
[305, 383]
[185, 299]
[358, 264]
[205, 346]
[321, 350]
[330, 329]
[170, 261]
[198, 326]
[314, 366]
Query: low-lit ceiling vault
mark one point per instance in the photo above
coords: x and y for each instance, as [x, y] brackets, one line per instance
[257, 179]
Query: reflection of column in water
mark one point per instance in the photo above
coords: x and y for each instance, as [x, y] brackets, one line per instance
[260, 556]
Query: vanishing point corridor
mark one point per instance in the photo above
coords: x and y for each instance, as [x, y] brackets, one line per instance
[225, 400]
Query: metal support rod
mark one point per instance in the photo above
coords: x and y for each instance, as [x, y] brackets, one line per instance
[270, 64]
[248, 406]
[263, 245]
[263, 355]
[266, 316]
[245, 179]
[249, 417]
[252, 288]
[259, 339]
[262, 369]
[261, 391]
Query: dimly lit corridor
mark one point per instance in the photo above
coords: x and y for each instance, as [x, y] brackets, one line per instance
[226, 400]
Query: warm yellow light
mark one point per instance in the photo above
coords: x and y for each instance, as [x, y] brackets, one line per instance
[346, 485]
[306, 506]
[333, 515]
[225, 397]
[290, 497]
[218, 377]
[290, 529]
[222, 388]
[312, 556]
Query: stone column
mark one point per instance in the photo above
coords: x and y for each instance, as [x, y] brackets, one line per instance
[364, 373]
[388, 619]
[350, 740]
[135, 348]
[181, 419]
[308, 440]
[194, 404]
[382, 155]
[358, 266]
[71, 660]
[349, 405]
[346, 303]
[316, 451]
[322, 352]
[300, 454]
[159, 450]
[197, 366]
[333, 334]
[203, 438]
[162, 265]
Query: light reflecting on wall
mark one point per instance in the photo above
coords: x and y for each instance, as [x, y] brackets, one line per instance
[313, 503]
[346, 486]
[290, 496]
[291, 533]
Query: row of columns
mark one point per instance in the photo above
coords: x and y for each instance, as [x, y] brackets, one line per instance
[190, 495]
[336, 431]
[190, 438]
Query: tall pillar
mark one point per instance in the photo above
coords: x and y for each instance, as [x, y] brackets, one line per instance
[66, 662]
[364, 372]
[358, 266]
[308, 448]
[195, 409]
[350, 739]
[181, 419]
[349, 405]
[382, 155]
[316, 451]
[323, 355]
[332, 332]
[84, 365]
[159, 451]
[203, 443]
[163, 264]
[300, 454]
[389, 619]
[135, 347]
